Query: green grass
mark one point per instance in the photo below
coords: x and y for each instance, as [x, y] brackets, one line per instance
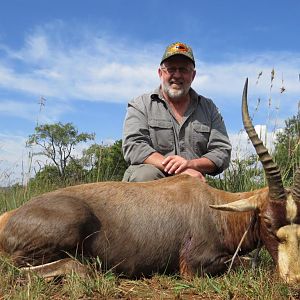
[242, 283]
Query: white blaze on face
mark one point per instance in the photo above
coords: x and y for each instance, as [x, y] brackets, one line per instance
[291, 209]
[289, 246]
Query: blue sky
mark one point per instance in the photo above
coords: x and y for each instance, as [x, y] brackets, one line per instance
[88, 58]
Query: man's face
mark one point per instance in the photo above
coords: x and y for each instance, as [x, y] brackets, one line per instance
[176, 74]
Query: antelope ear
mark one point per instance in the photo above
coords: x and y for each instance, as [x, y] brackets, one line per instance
[248, 204]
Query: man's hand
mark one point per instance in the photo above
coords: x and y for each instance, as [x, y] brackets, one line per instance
[176, 164]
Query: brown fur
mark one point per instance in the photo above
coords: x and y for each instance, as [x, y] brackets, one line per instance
[134, 228]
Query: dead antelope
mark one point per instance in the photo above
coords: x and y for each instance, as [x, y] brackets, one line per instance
[137, 229]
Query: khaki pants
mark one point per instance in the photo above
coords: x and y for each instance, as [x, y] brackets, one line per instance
[143, 172]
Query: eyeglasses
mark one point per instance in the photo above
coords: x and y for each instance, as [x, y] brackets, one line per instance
[172, 70]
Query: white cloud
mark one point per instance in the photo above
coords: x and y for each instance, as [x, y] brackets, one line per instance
[16, 109]
[14, 159]
[242, 146]
[95, 70]
[228, 78]
[31, 110]
[104, 69]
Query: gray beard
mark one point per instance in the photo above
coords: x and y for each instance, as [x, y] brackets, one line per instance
[175, 94]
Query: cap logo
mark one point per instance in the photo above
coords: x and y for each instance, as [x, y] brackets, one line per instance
[179, 47]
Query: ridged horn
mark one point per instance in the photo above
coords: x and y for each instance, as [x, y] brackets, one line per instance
[276, 189]
[296, 187]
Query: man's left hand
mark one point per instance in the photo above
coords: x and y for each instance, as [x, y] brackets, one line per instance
[175, 164]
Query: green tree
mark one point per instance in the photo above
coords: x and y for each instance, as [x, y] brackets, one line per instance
[57, 142]
[105, 162]
[287, 148]
[48, 178]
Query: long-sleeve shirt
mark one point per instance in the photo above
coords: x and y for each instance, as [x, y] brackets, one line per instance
[150, 126]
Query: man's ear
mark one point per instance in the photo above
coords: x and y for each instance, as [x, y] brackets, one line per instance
[159, 72]
[194, 74]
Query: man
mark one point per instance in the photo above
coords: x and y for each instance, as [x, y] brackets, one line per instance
[173, 130]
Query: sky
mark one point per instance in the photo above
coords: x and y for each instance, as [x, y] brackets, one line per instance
[82, 61]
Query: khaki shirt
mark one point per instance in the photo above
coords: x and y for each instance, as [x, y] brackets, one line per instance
[150, 127]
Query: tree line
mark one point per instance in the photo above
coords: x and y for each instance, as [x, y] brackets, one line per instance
[99, 162]
[57, 142]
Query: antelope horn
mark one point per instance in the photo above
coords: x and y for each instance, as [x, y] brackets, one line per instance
[296, 188]
[276, 189]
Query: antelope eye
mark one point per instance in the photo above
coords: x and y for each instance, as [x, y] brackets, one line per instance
[269, 226]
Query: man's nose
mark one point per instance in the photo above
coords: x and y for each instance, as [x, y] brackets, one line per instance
[177, 72]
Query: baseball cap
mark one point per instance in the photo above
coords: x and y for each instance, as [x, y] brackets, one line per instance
[178, 48]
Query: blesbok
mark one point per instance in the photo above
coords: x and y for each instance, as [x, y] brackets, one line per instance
[167, 225]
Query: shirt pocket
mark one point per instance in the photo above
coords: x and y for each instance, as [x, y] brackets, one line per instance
[200, 137]
[161, 135]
